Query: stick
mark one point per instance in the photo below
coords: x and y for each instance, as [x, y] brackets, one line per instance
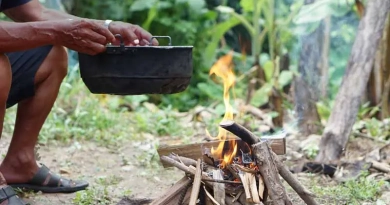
[184, 160]
[269, 171]
[196, 184]
[220, 181]
[240, 131]
[231, 170]
[380, 166]
[357, 134]
[210, 197]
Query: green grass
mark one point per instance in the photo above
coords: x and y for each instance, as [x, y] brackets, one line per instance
[353, 192]
[79, 115]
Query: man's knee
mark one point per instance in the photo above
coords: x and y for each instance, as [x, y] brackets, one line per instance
[5, 77]
[55, 65]
[59, 61]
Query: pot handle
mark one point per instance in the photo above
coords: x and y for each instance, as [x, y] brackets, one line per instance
[153, 37]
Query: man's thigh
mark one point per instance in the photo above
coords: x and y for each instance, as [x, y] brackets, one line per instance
[25, 65]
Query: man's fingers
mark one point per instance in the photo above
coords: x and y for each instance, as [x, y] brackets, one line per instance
[143, 34]
[95, 37]
[104, 32]
[129, 36]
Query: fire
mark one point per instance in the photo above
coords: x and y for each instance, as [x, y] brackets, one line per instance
[223, 68]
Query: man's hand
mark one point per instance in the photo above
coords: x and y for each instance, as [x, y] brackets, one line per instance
[84, 36]
[132, 34]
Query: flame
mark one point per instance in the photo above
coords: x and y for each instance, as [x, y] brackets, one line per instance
[223, 68]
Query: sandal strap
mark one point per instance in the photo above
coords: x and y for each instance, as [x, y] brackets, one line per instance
[41, 176]
[44, 177]
[6, 193]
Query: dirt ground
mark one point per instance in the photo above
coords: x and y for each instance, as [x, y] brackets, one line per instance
[90, 162]
[120, 171]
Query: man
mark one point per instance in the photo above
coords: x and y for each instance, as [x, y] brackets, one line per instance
[33, 63]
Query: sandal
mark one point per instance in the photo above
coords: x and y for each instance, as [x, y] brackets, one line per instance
[48, 182]
[8, 197]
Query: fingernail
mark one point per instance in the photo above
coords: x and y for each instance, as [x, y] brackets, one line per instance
[136, 41]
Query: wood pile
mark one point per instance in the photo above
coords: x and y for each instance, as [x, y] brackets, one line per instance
[253, 177]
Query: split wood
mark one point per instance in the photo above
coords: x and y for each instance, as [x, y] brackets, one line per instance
[270, 166]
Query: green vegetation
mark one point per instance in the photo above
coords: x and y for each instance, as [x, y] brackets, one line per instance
[265, 39]
[351, 192]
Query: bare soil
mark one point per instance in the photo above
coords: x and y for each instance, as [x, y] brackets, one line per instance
[90, 162]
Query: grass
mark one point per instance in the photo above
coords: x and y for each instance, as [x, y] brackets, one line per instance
[79, 115]
[353, 192]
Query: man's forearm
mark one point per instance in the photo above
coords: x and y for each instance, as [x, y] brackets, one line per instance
[22, 36]
[51, 14]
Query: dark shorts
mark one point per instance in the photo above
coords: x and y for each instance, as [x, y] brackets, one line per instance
[24, 66]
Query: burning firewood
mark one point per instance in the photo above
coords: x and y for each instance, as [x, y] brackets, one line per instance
[266, 158]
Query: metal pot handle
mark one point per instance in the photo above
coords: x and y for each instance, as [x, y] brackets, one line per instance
[153, 37]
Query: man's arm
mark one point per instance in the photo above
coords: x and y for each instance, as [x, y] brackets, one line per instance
[35, 11]
[22, 36]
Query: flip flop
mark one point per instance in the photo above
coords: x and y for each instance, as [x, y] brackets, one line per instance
[48, 182]
[8, 197]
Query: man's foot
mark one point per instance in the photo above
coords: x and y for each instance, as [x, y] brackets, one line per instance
[47, 182]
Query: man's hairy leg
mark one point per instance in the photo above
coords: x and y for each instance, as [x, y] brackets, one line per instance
[5, 85]
[20, 165]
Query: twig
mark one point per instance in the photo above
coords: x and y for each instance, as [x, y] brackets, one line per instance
[221, 181]
[184, 160]
[244, 169]
[196, 184]
[357, 134]
[210, 197]
[237, 196]
[232, 171]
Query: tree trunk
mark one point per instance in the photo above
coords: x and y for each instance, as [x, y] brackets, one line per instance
[307, 88]
[379, 74]
[354, 82]
[385, 63]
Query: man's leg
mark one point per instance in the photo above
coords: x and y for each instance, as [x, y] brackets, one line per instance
[7, 194]
[19, 165]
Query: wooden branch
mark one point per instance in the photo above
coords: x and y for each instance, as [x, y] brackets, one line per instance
[269, 171]
[282, 170]
[305, 195]
[194, 151]
[220, 181]
[172, 195]
[190, 171]
[240, 132]
[184, 160]
[196, 184]
[210, 196]
[383, 167]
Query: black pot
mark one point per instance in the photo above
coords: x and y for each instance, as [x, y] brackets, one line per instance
[134, 70]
